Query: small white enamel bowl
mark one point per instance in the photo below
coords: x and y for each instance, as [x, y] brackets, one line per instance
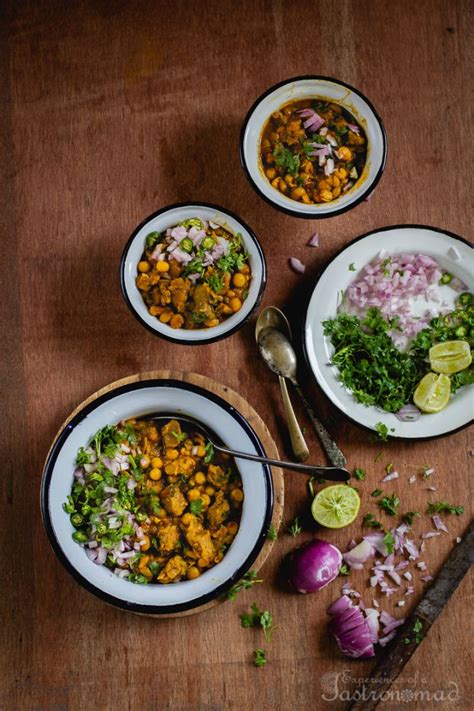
[309, 87]
[169, 217]
[137, 399]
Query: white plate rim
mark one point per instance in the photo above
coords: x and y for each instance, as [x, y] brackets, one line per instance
[441, 233]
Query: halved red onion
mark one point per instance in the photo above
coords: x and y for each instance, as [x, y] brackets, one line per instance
[314, 565]
[353, 634]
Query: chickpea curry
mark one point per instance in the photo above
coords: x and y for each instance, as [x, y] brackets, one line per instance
[193, 275]
[156, 504]
[313, 151]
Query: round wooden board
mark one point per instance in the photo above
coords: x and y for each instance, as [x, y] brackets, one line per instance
[252, 418]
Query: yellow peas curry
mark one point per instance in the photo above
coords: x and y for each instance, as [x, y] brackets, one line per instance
[313, 151]
[156, 504]
[193, 275]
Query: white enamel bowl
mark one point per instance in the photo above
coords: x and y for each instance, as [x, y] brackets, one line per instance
[308, 87]
[454, 254]
[146, 397]
[168, 217]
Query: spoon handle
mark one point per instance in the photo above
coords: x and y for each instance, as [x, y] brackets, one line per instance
[333, 452]
[329, 473]
[298, 444]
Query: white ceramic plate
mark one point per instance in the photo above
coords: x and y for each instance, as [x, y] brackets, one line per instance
[146, 397]
[305, 88]
[454, 255]
[169, 217]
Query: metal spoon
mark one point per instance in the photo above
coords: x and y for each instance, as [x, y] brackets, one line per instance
[328, 473]
[273, 317]
[280, 357]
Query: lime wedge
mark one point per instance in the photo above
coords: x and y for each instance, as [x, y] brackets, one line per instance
[335, 506]
[450, 357]
[432, 393]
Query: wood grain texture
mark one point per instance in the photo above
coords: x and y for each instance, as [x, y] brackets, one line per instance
[110, 110]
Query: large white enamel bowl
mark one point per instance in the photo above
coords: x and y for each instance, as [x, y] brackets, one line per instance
[169, 217]
[142, 398]
[309, 87]
[454, 254]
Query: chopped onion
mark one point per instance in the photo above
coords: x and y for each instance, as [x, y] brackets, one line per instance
[392, 475]
[412, 479]
[431, 534]
[426, 578]
[351, 629]
[409, 413]
[359, 555]
[439, 523]
[314, 240]
[297, 266]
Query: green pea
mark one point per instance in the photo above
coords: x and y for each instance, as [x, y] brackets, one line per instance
[446, 278]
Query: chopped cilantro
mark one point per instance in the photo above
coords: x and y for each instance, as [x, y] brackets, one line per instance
[370, 521]
[272, 533]
[295, 528]
[287, 160]
[259, 618]
[196, 506]
[352, 267]
[410, 516]
[442, 506]
[359, 474]
[376, 492]
[246, 582]
[259, 658]
[389, 541]
[344, 569]
[390, 504]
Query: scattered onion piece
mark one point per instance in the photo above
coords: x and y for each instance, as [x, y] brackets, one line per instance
[392, 475]
[431, 534]
[439, 523]
[297, 265]
[313, 240]
[408, 413]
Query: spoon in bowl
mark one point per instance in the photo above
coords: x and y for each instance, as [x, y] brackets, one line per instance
[274, 318]
[280, 357]
[322, 472]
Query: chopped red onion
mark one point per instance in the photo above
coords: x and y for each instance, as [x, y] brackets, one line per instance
[297, 265]
[458, 539]
[431, 534]
[313, 119]
[427, 578]
[392, 475]
[314, 240]
[409, 413]
[410, 590]
[439, 523]
[408, 575]
[401, 603]
[352, 127]
[412, 479]
[383, 641]
[359, 555]
[421, 565]
[431, 488]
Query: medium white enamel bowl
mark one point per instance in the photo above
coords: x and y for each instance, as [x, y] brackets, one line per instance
[454, 254]
[142, 398]
[308, 87]
[168, 217]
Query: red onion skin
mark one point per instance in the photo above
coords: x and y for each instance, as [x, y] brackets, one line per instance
[314, 565]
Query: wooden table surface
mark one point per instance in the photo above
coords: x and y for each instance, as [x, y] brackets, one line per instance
[110, 110]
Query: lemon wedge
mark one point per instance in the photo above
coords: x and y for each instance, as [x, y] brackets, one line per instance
[450, 357]
[432, 393]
